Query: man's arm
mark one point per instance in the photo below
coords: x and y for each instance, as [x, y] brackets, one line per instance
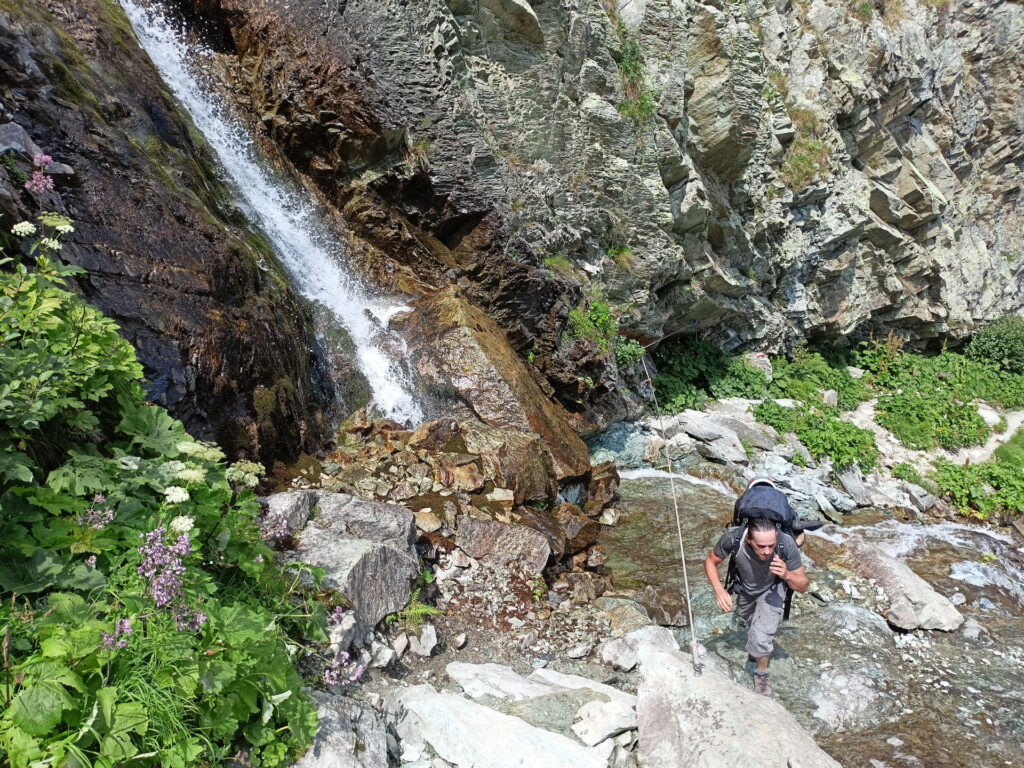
[796, 580]
[723, 598]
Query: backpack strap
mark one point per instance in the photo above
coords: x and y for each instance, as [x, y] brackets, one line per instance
[730, 575]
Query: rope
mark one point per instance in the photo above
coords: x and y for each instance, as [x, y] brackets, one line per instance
[695, 648]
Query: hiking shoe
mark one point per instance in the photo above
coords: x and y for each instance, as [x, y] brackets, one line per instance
[762, 684]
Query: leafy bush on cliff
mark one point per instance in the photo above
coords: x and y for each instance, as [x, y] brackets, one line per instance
[1000, 342]
[143, 615]
[822, 433]
[691, 371]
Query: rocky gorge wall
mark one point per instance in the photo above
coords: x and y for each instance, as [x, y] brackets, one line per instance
[758, 172]
[226, 344]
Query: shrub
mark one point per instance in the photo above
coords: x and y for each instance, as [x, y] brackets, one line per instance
[980, 490]
[628, 352]
[595, 323]
[689, 367]
[822, 434]
[1000, 342]
[148, 619]
[908, 472]
[805, 376]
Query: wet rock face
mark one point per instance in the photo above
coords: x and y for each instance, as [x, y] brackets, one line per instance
[224, 341]
[804, 172]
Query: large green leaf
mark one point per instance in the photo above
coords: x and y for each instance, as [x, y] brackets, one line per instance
[214, 674]
[37, 574]
[37, 709]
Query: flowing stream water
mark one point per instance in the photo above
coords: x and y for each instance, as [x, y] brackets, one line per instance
[872, 697]
[310, 253]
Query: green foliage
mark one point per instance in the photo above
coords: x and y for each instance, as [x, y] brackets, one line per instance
[13, 170]
[413, 615]
[908, 472]
[930, 402]
[806, 159]
[822, 434]
[628, 352]
[808, 374]
[639, 105]
[1000, 342]
[100, 669]
[981, 490]
[595, 323]
[641, 109]
[559, 263]
[691, 370]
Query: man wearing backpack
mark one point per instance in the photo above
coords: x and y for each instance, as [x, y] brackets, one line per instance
[765, 562]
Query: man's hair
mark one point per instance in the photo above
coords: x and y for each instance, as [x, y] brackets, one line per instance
[759, 525]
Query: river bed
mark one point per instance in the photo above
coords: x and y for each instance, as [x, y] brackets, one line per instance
[871, 696]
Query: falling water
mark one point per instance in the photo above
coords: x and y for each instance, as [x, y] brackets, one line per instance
[304, 245]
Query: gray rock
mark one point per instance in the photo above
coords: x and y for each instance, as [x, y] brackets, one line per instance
[562, 681]
[713, 721]
[400, 644]
[623, 652]
[467, 734]
[294, 507]
[15, 138]
[381, 655]
[424, 644]
[459, 641]
[496, 543]
[374, 577]
[913, 604]
[600, 720]
[852, 480]
[496, 680]
[624, 615]
[349, 735]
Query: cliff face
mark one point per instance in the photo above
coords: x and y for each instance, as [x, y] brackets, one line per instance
[225, 342]
[758, 172]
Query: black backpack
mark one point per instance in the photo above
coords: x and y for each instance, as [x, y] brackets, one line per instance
[764, 500]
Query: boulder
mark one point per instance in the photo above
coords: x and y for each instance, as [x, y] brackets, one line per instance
[348, 735]
[686, 721]
[852, 480]
[624, 615]
[564, 682]
[458, 347]
[468, 734]
[495, 543]
[600, 720]
[580, 530]
[604, 482]
[497, 680]
[292, 507]
[913, 604]
[426, 642]
[367, 552]
[623, 652]
[518, 461]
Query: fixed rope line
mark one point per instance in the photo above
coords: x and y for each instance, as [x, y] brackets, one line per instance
[698, 668]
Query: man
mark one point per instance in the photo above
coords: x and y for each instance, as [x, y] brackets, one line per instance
[766, 562]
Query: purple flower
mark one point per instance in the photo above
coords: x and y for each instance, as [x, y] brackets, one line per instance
[42, 160]
[332, 672]
[162, 565]
[99, 498]
[91, 561]
[122, 628]
[339, 615]
[39, 183]
[97, 519]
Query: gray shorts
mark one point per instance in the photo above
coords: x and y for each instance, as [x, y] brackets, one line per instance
[763, 614]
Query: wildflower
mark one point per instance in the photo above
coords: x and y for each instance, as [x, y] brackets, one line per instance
[50, 243]
[91, 561]
[23, 229]
[200, 451]
[39, 182]
[176, 494]
[42, 160]
[258, 559]
[186, 619]
[169, 470]
[332, 672]
[338, 616]
[65, 229]
[97, 519]
[192, 475]
[182, 524]
[162, 565]
[122, 628]
[99, 498]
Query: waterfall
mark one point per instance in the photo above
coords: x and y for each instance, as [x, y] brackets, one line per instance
[308, 250]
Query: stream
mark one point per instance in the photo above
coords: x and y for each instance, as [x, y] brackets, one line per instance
[870, 696]
[311, 254]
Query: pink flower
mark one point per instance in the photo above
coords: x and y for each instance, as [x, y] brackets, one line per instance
[39, 183]
[91, 561]
[42, 160]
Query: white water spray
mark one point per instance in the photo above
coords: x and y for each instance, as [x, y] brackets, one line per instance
[305, 246]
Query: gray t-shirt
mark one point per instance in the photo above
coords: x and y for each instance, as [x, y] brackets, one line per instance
[752, 573]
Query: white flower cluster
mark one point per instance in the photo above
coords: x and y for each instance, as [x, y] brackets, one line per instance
[245, 473]
[182, 524]
[169, 470]
[175, 494]
[23, 229]
[200, 451]
[192, 475]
